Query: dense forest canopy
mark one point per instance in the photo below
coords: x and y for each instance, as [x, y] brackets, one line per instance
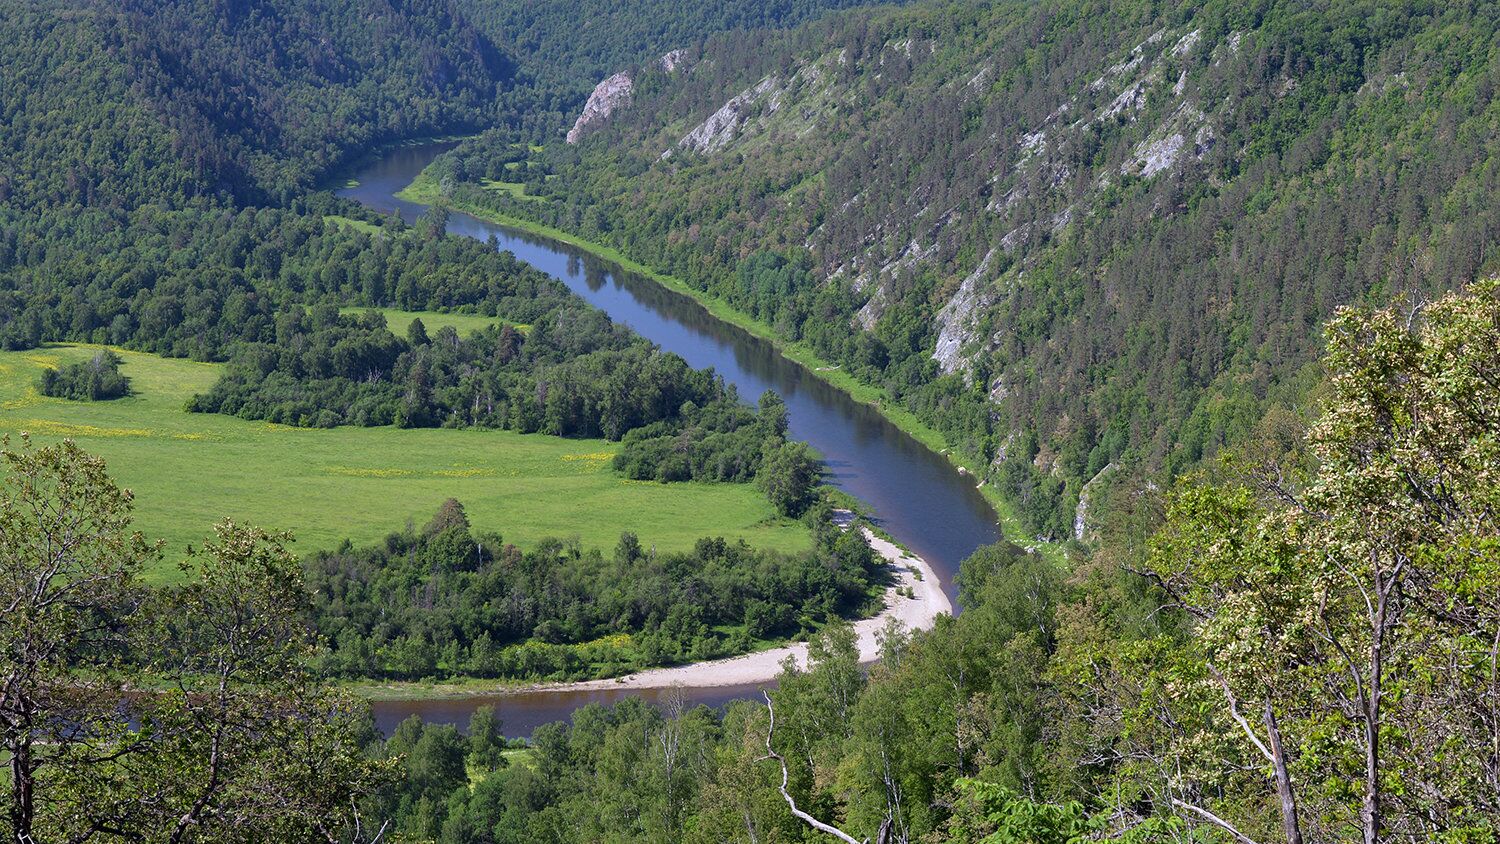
[1091, 243]
[1296, 645]
[566, 46]
[447, 601]
[163, 101]
[1066, 246]
[155, 239]
[168, 100]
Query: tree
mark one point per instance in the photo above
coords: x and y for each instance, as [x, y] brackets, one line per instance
[788, 475]
[416, 333]
[251, 745]
[813, 712]
[450, 515]
[773, 415]
[486, 739]
[226, 735]
[97, 379]
[435, 764]
[68, 563]
[993, 814]
[1348, 621]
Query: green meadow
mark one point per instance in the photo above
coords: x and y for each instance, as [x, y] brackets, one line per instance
[515, 189]
[350, 223]
[397, 320]
[189, 470]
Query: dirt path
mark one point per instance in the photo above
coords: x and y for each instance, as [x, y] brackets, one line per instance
[916, 613]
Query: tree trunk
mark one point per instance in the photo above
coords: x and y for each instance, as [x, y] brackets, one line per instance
[22, 806]
[811, 821]
[1289, 823]
[1370, 812]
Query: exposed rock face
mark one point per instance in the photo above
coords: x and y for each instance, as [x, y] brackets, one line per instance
[955, 320]
[1083, 529]
[720, 128]
[671, 61]
[872, 311]
[609, 96]
[1186, 131]
[1186, 43]
[1154, 157]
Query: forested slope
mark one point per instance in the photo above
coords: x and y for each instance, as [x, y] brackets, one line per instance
[565, 46]
[166, 100]
[1297, 645]
[1066, 245]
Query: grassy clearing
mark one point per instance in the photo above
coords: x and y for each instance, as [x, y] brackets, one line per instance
[425, 190]
[515, 189]
[188, 470]
[397, 320]
[351, 223]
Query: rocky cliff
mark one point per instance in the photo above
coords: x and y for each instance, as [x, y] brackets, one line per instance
[608, 97]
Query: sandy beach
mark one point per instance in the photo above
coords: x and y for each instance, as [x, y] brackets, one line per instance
[915, 613]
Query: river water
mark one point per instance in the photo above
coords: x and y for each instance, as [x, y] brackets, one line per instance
[916, 495]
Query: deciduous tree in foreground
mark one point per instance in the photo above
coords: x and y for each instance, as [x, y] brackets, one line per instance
[1348, 622]
[176, 715]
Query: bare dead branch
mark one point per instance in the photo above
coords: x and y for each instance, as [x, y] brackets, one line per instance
[787, 795]
[1215, 820]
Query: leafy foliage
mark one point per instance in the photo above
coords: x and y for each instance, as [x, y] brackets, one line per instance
[445, 602]
[166, 102]
[723, 441]
[180, 716]
[97, 379]
[1125, 234]
[1155, 692]
[1367, 589]
[263, 289]
[789, 476]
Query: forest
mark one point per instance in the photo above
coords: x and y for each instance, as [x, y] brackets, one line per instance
[569, 47]
[168, 103]
[268, 291]
[1064, 247]
[448, 602]
[1200, 286]
[1214, 673]
[1295, 643]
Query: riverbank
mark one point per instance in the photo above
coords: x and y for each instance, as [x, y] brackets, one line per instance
[918, 612]
[424, 190]
[915, 598]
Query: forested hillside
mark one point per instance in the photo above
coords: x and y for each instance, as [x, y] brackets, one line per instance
[1067, 246]
[569, 45]
[1296, 645]
[142, 141]
[167, 100]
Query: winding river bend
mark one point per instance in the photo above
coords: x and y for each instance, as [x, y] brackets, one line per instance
[917, 496]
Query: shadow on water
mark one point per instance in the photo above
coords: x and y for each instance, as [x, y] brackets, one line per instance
[917, 496]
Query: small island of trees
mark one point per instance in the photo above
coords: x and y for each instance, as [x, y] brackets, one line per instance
[96, 379]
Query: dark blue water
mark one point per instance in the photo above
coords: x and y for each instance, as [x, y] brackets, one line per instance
[916, 495]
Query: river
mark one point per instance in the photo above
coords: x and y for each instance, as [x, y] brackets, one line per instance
[917, 496]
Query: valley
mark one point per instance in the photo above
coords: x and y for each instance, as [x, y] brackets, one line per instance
[914, 493]
[929, 422]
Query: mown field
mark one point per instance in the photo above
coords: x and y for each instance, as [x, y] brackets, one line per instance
[189, 470]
